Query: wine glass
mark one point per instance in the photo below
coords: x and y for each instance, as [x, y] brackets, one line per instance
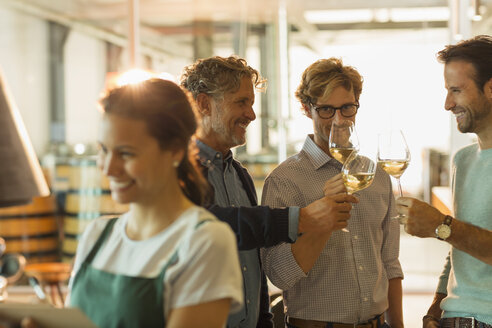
[343, 140]
[358, 172]
[394, 157]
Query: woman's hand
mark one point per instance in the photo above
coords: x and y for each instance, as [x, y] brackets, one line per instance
[25, 323]
[334, 185]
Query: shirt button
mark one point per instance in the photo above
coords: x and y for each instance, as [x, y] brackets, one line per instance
[247, 301]
[217, 155]
[245, 268]
[365, 299]
[356, 237]
[361, 267]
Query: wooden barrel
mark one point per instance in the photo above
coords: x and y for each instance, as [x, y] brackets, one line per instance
[88, 197]
[32, 230]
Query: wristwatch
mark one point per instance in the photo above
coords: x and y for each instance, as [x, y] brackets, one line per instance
[443, 231]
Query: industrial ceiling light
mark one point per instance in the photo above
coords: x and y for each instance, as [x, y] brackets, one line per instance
[477, 16]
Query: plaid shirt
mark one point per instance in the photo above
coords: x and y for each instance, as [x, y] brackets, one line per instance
[349, 281]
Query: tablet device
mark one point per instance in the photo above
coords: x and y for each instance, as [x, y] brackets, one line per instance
[46, 316]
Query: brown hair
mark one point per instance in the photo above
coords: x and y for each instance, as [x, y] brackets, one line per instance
[324, 75]
[168, 113]
[217, 75]
[476, 51]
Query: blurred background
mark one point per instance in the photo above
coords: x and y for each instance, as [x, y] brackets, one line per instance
[58, 56]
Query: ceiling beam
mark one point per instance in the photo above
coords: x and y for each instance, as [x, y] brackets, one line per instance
[381, 26]
[158, 46]
[370, 4]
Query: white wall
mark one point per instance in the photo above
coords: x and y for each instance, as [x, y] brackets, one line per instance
[24, 61]
[85, 67]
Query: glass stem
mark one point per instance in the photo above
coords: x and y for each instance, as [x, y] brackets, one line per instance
[399, 187]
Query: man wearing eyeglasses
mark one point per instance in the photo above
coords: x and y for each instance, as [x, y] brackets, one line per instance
[223, 88]
[337, 278]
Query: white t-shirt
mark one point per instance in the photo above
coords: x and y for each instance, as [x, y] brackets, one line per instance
[208, 268]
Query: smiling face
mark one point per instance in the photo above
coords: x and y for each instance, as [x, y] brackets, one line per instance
[139, 171]
[227, 119]
[337, 98]
[471, 106]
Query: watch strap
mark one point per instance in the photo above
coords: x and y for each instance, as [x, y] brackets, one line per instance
[447, 220]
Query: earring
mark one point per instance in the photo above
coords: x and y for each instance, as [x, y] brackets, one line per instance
[175, 163]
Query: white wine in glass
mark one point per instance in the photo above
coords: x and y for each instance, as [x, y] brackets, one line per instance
[357, 181]
[394, 157]
[358, 172]
[394, 167]
[343, 140]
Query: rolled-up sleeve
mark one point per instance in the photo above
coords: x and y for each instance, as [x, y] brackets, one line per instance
[391, 241]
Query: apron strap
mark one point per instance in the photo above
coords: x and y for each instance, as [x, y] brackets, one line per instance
[201, 223]
[100, 240]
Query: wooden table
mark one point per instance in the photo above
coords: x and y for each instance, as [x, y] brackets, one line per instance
[442, 199]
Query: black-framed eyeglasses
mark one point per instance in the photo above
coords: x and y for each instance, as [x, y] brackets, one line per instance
[327, 111]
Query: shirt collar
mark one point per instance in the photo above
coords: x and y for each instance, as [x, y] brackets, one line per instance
[316, 155]
[209, 155]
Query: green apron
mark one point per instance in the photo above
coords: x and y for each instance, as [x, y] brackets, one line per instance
[119, 301]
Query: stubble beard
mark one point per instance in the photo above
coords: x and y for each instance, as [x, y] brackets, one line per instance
[323, 137]
[226, 135]
[473, 118]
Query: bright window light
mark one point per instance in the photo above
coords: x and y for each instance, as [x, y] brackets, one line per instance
[420, 14]
[382, 15]
[79, 149]
[338, 16]
[133, 76]
[167, 76]
[377, 15]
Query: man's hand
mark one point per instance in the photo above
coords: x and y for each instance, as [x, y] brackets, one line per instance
[334, 186]
[421, 218]
[430, 323]
[327, 214]
[431, 319]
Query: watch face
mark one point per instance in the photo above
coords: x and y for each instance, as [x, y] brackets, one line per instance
[443, 231]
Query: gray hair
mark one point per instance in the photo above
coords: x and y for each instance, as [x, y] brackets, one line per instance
[215, 76]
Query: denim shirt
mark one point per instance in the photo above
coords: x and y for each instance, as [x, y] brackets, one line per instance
[229, 191]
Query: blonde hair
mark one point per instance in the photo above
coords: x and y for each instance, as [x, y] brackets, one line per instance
[323, 76]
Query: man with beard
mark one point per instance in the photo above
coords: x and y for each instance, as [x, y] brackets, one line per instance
[334, 278]
[224, 92]
[464, 294]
